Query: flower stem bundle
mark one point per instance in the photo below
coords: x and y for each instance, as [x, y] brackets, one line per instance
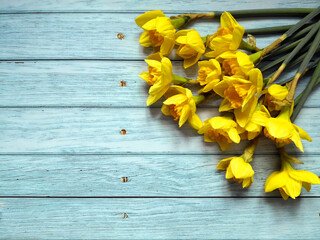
[252, 105]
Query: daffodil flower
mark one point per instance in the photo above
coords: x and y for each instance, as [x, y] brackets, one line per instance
[235, 63]
[275, 94]
[159, 31]
[237, 169]
[221, 130]
[227, 38]
[191, 46]
[289, 181]
[159, 76]
[281, 130]
[240, 94]
[181, 105]
[209, 74]
[154, 69]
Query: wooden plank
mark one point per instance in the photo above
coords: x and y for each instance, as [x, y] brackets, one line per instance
[90, 35]
[86, 84]
[226, 218]
[97, 130]
[156, 175]
[144, 5]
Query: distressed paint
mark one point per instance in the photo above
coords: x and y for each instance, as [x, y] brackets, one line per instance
[213, 218]
[90, 36]
[88, 84]
[97, 130]
[135, 175]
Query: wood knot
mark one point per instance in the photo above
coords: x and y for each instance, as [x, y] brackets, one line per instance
[124, 215]
[120, 36]
[123, 132]
[124, 179]
[123, 83]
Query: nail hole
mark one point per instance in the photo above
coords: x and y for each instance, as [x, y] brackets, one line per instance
[124, 179]
[120, 36]
[123, 83]
[123, 132]
[124, 215]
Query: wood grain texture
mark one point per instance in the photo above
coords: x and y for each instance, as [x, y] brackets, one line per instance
[91, 35]
[156, 175]
[160, 218]
[97, 130]
[144, 5]
[61, 112]
[89, 84]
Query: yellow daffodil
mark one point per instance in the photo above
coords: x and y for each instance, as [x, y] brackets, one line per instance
[275, 95]
[181, 105]
[240, 94]
[281, 130]
[237, 169]
[251, 130]
[221, 130]
[191, 46]
[236, 63]
[154, 69]
[289, 181]
[159, 31]
[227, 38]
[159, 76]
[209, 74]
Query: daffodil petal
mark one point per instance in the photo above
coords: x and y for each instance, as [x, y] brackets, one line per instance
[234, 136]
[167, 46]
[224, 163]
[229, 174]
[195, 121]
[303, 134]
[275, 180]
[176, 99]
[184, 115]
[240, 168]
[304, 176]
[147, 16]
[145, 40]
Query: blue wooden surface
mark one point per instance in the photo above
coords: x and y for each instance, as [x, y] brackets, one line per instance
[61, 111]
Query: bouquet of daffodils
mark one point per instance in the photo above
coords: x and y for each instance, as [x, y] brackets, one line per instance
[252, 104]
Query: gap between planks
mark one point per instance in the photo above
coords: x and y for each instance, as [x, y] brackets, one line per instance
[154, 197]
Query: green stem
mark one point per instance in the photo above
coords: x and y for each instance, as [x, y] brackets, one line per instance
[313, 81]
[300, 34]
[277, 12]
[283, 49]
[249, 150]
[310, 66]
[179, 22]
[290, 32]
[291, 64]
[182, 80]
[294, 52]
[312, 50]
[198, 99]
[268, 30]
